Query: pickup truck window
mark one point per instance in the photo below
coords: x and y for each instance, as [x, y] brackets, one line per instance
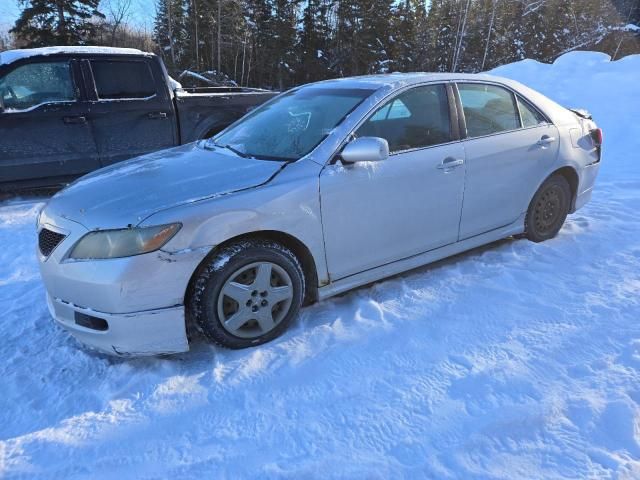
[116, 79]
[36, 83]
[291, 126]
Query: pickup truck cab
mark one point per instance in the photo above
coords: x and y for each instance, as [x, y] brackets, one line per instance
[66, 111]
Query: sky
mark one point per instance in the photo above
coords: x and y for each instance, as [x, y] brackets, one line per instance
[142, 12]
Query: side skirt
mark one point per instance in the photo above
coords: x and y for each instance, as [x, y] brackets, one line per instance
[406, 264]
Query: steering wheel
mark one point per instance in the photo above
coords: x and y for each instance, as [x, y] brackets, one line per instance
[11, 92]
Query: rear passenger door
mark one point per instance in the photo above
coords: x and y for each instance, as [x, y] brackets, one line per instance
[509, 148]
[131, 112]
[44, 133]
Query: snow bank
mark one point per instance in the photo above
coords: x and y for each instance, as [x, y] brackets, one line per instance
[10, 56]
[517, 360]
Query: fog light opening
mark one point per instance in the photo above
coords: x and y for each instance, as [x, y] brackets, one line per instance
[94, 323]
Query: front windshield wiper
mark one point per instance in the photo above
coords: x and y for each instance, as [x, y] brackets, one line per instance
[234, 150]
[248, 155]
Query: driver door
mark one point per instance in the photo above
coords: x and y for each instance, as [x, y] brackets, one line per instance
[44, 134]
[378, 213]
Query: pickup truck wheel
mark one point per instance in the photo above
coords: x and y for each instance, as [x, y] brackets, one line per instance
[248, 293]
[548, 209]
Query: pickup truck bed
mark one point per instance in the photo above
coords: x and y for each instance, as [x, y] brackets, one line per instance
[66, 111]
[205, 111]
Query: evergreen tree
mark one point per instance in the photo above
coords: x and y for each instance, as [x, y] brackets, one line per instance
[442, 24]
[314, 45]
[171, 34]
[280, 43]
[403, 40]
[363, 36]
[377, 27]
[283, 25]
[263, 53]
[57, 22]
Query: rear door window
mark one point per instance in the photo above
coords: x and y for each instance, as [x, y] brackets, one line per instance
[121, 79]
[488, 109]
[416, 118]
[34, 84]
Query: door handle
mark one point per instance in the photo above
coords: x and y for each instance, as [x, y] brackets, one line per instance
[74, 120]
[546, 140]
[156, 115]
[450, 163]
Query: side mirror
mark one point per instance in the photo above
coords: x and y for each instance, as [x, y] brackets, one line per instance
[365, 149]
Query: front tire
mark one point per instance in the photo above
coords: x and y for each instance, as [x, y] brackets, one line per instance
[548, 209]
[247, 293]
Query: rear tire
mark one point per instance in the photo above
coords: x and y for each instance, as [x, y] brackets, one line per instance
[247, 293]
[548, 209]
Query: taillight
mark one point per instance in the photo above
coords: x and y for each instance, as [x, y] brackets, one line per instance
[596, 135]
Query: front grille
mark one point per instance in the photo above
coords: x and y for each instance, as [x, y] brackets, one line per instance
[48, 241]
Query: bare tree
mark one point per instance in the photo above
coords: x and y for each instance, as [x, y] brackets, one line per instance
[219, 20]
[462, 28]
[615, 53]
[494, 4]
[196, 18]
[118, 13]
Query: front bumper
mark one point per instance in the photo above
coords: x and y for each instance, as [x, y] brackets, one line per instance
[138, 301]
[152, 332]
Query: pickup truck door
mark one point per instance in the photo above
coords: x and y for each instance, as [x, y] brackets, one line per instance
[44, 133]
[131, 111]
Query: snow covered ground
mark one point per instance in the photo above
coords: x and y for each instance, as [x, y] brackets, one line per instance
[517, 360]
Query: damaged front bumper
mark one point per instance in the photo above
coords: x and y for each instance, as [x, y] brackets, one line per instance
[121, 306]
[151, 332]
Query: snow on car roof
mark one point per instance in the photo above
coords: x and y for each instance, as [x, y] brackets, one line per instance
[12, 55]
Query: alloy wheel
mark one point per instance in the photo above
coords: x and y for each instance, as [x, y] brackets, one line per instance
[255, 299]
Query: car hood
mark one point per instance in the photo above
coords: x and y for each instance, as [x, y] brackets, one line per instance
[126, 193]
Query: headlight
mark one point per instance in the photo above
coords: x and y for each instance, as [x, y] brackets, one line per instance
[123, 243]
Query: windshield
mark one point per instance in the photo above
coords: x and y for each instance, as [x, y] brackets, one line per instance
[292, 125]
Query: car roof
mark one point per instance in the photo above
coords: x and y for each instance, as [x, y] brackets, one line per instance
[396, 80]
[10, 56]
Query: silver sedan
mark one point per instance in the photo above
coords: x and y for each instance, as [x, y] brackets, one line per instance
[327, 187]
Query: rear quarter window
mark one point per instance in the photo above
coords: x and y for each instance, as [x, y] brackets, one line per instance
[121, 79]
[530, 116]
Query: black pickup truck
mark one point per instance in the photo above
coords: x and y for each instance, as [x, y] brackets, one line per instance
[65, 111]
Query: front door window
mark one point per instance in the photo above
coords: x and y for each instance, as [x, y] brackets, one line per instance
[417, 118]
[37, 83]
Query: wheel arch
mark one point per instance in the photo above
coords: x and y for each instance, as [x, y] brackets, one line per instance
[571, 176]
[299, 249]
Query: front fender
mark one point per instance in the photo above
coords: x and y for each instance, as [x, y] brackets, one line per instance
[289, 204]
